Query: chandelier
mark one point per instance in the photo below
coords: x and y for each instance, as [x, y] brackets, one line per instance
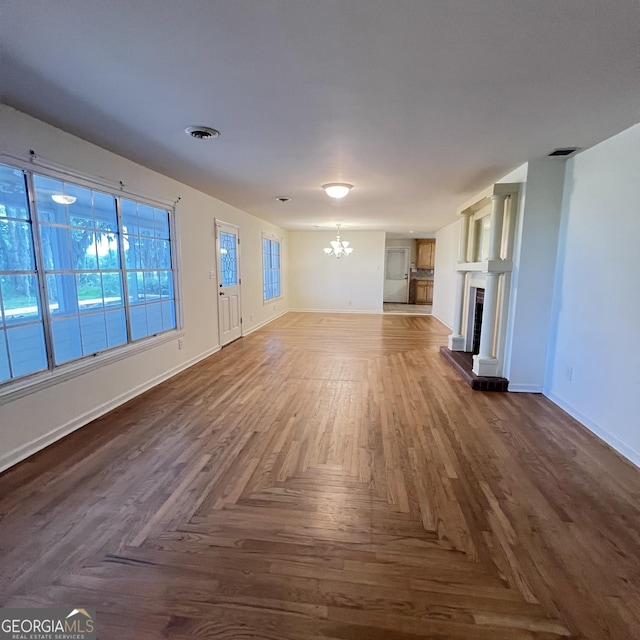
[338, 247]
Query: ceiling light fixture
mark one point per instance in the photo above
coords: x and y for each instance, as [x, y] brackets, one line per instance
[337, 190]
[338, 247]
[62, 198]
[202, 133]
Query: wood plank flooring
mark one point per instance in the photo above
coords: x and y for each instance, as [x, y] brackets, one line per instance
[329, 476]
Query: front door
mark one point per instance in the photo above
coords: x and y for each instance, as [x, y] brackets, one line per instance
[227, 250]
[396, 275]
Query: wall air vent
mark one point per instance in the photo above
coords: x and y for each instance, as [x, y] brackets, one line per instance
[563, 152]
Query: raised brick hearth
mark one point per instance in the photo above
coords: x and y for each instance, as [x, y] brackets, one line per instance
[462, 362]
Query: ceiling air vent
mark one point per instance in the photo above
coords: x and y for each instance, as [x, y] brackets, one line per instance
[563, 152]
[202, 133]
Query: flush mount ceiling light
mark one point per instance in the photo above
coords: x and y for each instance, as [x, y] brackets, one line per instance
[338, 247]
[62, 198]
[337, 190]
[202, 133]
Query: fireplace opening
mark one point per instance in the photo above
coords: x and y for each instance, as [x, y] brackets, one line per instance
[477, 321]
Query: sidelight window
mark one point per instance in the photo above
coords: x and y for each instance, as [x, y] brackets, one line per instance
[271, 268]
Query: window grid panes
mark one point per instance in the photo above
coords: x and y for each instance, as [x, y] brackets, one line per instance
[22, 345]
[79, 242]
[271, 268]
[148, 269]
[87, 257]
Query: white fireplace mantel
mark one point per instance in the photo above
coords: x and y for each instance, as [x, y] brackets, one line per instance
[485, 260]
[487, 266]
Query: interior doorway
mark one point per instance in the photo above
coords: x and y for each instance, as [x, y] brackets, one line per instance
[229, 300]
[396, 274]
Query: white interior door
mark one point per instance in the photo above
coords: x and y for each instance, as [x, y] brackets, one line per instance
[227, 253]
[396, 275]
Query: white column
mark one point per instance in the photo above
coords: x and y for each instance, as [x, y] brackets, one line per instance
[485, 363]
[456, 339]
[497, 223]
[463, 240]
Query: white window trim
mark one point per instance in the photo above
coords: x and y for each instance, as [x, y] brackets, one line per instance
[270, 236]
[32, 383]
[35, 382]
[36, 164]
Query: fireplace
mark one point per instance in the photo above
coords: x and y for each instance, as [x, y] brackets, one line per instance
[469, 347]
[477, 321]
[483, 279]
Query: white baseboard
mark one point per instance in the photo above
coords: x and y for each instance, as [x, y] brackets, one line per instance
[367, 311]
[262, 324]
[10, 458]
[613, 441]
[525, 388]
[441, 321]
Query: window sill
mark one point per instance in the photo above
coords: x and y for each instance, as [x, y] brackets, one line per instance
[271, 300]
[37, 382]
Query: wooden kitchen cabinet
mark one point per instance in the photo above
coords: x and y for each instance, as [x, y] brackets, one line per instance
[426, 253]
[423, 292]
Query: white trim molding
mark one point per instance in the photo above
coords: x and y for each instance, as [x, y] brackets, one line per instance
[263, 323]
[614, 442]
[21, 387]
[11, 458]
[367, 311]
[525, 388]
[441, 321]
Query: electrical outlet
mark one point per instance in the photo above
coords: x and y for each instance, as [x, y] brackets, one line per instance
[180, 343]
[250, 317]
[569, 373]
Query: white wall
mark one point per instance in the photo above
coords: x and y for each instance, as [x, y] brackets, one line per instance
[323, 283]
[444, 276]
[533, 275]
[596, 315]
[35, 420]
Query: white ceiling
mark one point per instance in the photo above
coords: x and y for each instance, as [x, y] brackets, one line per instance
[417, 103]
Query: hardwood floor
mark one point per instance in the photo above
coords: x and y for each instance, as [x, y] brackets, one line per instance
[329, 476]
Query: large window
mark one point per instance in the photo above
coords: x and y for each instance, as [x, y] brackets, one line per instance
[81, 272]
[148, 268]
[22, 343]
[271, 268]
